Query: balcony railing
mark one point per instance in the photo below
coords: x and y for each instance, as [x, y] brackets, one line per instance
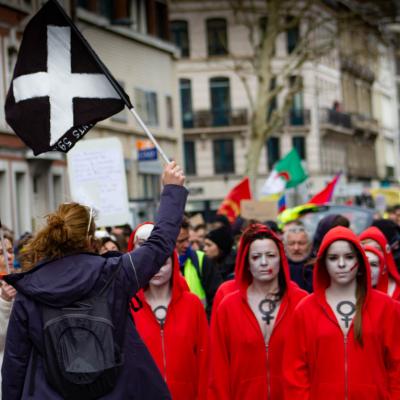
[298, 117]
[216, 118]
[333, 117]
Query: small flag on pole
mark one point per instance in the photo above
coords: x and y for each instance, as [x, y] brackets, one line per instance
[287, 173]
[326, 194]
[230, 206]
[282, 203]
[60, 88]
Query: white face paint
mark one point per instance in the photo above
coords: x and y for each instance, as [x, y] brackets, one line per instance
[374, 264]
[372, 243]
[341, 262]
[163, 276]
[264, 260]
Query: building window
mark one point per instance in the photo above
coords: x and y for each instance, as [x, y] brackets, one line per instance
[87, 4]
[185, 86]
[299, 143]
[296, 111]
[274, 101]
[170, 111]
[217, 37]
[105, 8]
[146, 104]
[397, 65]
[220, 101]
[224, 160]
[263, 25]
[151, 186]
[293, 35]
[57, 191]
[190, 157]
[273, 152]
[21, 195]
[161, 23]
[137, 11]
[389, 172]
[180, 36]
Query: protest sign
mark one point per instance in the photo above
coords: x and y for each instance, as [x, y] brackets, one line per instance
[258, 210]
[97, 178]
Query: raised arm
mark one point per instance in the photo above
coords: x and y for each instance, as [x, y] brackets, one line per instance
[143, 263]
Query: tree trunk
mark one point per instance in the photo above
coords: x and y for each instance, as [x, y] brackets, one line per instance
[254, 149]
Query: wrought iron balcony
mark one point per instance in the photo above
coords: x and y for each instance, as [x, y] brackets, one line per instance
[333, 117]
[298, 117]
[215, 118]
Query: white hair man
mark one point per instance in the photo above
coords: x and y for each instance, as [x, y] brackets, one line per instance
[298, 249]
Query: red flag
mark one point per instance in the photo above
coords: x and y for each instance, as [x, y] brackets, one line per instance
[231, 204]
[325, 195]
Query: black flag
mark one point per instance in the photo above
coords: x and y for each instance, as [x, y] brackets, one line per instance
[60, 88]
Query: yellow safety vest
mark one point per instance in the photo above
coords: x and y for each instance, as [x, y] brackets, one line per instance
[192, 277]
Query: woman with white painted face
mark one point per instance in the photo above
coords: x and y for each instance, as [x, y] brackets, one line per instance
[342, 342]
[173, 325]
[376, 263]
[250, 325]
[389, 281]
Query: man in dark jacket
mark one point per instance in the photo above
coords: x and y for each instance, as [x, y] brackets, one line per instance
[63, 281]
[298, 248]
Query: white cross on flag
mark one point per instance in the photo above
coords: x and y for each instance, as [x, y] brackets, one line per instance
[60, 88]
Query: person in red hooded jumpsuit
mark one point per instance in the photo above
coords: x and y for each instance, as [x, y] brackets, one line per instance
[173, 325]
[250, 325]
[343, 342]
[389, 282]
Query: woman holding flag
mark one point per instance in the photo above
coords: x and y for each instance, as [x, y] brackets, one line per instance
[63, 273]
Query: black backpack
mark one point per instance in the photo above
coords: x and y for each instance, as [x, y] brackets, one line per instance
[82, 359]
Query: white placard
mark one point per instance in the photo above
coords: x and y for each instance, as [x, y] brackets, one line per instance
[97, 178]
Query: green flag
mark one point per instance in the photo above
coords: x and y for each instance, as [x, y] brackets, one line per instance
[287, 173]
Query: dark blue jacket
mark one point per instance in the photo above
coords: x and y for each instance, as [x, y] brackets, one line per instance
[302, 273]
[66, 280]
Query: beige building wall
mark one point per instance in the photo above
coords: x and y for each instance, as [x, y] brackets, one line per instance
[329, 148]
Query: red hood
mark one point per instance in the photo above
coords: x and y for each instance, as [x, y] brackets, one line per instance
[243, 276]
[321, 277]
[375, 234]
[178, 282]
[381, 259]
[131, 242]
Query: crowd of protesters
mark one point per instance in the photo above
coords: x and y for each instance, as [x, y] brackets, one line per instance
[214, 310]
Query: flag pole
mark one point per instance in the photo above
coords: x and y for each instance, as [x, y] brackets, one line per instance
[113, 82]
[150, 135]
[3, 245]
